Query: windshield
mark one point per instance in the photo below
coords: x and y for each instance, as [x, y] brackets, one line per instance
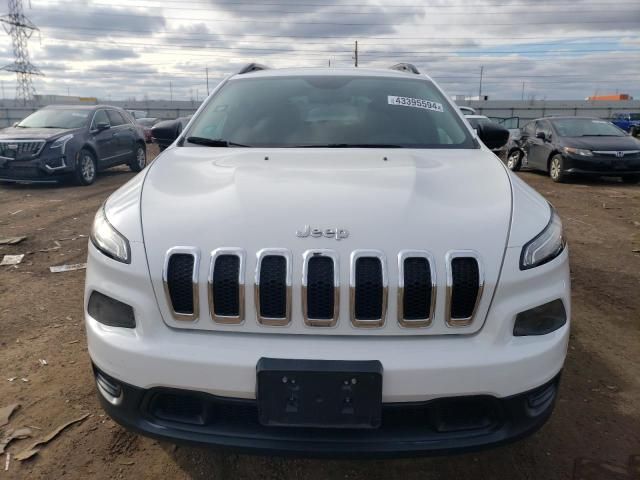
[330, 111]
[586, 127]
[56, 118]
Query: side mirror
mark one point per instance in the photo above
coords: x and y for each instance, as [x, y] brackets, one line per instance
[15, 124]
[102, 126]
[541, 136]
[493, 135]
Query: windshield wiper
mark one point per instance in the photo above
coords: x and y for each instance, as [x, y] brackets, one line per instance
[352, 145]
[601, 135]
[213, 142]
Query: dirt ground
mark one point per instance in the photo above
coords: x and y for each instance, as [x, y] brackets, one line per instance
[593, 434]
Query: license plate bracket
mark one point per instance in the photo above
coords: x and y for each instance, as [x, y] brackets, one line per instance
[319, 393]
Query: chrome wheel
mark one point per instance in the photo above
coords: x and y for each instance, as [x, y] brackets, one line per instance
[141, 158]
[87, 168]
[555, 168]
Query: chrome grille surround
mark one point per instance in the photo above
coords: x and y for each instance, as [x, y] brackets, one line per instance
[269, 321]
[355, 255]
[30, 148]
[402, 256]
[321, 322]
[195, 253]
[224, 319]
[462, 322]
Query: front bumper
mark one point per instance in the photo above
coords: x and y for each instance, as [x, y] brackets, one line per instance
[445, 425]
[601, 165]
[48, 168]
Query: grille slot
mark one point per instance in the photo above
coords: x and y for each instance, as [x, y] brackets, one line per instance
[21, 148]
[181, 283]
[417, 288]
[368, 288]
[464, 289]
[273, 287]
[226, 285]
[320, 288]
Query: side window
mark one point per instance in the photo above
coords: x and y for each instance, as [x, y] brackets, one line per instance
[99, 117]
[115, 118]
[528, 129]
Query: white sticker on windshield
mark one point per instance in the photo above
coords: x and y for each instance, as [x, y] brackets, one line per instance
[598, 121]
[76, 114]
[415, 103]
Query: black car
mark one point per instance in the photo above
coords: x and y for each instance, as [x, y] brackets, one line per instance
[59, 142]
[165, 132]
[565, 146]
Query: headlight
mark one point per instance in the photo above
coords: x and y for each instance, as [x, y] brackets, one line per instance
[578, 151]
[62, 142]
[108, 240]
[546, 246]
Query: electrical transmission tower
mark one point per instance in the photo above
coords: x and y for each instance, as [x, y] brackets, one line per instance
[20, 28]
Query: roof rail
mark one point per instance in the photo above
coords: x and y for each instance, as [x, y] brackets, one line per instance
[406, 67]
[252, 67]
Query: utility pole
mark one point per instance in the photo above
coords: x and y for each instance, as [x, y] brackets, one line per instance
[480, 88]
[170, 92]
[2, 89]
[207, 70]
[356, 54]
[522, 96]
[20, 28]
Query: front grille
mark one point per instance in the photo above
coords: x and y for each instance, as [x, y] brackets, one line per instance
[369, 290]
[226, 288]
[416, 302]
[320, 292]
[272, 289]
[21, 148]
[320, 299]
[465, 289]
[180, 283]
[416, 293]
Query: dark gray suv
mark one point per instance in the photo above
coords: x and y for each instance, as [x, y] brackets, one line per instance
[60, 142]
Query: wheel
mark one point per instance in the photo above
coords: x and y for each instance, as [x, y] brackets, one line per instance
[86, 169]
[555, 169]
[631, 179]
[514, 160]
[140, 161]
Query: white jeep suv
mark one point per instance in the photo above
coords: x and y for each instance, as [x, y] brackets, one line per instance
[328, 262]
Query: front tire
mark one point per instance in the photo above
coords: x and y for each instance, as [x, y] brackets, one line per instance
[556, 169]
[140, 161]
[86, 168]
[514, 160]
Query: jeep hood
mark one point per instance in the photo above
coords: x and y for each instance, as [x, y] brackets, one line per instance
[389, 200]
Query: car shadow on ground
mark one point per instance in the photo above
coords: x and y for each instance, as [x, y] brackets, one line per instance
[584, 435]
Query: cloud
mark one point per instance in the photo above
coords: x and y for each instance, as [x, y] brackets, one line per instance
[558, 49]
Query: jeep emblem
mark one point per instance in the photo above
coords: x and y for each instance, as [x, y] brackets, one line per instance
[337, 233]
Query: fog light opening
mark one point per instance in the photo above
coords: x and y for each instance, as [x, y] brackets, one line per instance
[110, 311]
[540, 320]
[110, 390]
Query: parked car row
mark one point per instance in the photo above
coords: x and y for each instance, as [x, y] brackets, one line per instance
[569, 146]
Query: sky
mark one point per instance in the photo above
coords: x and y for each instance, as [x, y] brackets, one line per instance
[162, 49]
